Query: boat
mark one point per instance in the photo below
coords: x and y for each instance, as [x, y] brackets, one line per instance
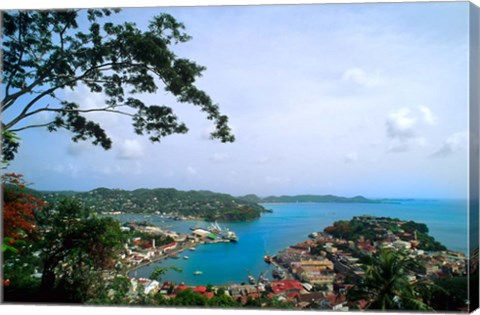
[174, 256]
[231, 236]
[186, 257]
[268, 259]
[313, 235]
[193, 249]
[225, 233]
[251, 279]
[197, 273]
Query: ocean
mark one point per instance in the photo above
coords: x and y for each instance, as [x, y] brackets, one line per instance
[290, 223]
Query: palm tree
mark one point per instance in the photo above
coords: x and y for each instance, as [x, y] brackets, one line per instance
[385, 285]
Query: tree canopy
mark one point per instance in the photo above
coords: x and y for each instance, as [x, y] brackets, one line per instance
[46, 53]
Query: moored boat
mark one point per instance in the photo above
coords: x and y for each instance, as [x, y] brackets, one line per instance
[268, 259]
[251, 279]
[197, 273]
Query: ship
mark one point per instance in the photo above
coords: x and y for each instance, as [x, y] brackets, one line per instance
[186, 257]
[197, 273]
[251, 279]
[231, 236]
[225, 233]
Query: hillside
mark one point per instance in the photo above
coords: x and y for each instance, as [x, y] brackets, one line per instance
[199, 204]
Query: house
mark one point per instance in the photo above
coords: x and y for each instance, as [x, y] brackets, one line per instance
[306, 300]
[285, 286]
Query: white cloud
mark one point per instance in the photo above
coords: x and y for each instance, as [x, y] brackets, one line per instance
[401, 124]
[351, 157]
[454, 143]
[359, 76]
[130, 149]
[404, 129]
[428, 115]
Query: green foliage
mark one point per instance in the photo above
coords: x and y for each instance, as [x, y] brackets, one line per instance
[203, 204]
[46, 52]
[189, 298]
[375, 231]
[449, 294]
[385, 285]
[76, 246]
[115, 292]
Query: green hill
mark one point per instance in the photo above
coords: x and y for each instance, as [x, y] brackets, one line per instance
[205, 205]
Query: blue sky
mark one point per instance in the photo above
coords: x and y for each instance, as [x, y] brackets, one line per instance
[359, 99]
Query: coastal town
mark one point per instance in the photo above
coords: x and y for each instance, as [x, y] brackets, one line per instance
[314, 274]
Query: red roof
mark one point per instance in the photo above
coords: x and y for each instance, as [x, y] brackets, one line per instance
[281, 286]
[200, 289]
[169, 245]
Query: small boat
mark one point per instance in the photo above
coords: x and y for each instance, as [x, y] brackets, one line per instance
[193, 249]
[197, 273]
[186, 257]
[174, 256]
[268, 259]
[251, 279]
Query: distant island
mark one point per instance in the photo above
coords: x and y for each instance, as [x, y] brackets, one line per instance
[315, 198]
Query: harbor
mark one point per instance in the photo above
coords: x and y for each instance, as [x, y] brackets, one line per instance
[224, 263]
[138, 258]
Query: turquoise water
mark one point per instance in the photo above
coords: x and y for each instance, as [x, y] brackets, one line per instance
[226, 263]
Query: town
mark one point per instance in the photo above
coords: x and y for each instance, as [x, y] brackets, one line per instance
[316, 273]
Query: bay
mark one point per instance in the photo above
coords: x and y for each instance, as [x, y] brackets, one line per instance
[290, 223]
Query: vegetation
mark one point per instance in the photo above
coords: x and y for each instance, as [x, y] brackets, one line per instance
[385, 285]
[55, 255]
[201, 204]
[48, 52]
[376, 230]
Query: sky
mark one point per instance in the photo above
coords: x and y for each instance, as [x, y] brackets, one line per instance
[345, 99]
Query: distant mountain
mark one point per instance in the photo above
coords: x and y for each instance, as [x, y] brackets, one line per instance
[311, 198]
[205, 205]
